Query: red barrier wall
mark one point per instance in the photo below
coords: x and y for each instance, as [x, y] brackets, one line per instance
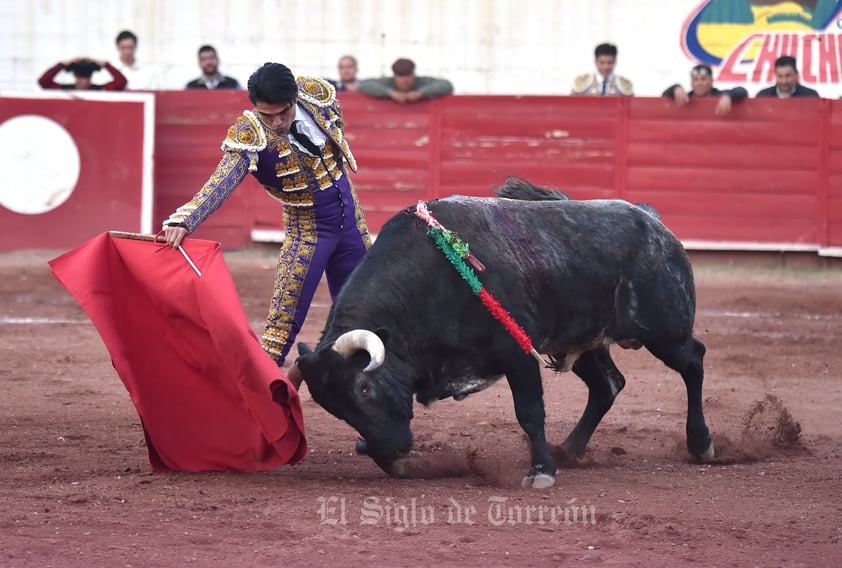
[833, 185]
[758, 176]
[102, 135]
[767, 176]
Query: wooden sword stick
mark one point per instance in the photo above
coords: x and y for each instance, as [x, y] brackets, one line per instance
[157, 239]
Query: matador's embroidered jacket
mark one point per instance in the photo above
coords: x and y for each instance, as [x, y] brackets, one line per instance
[589, 84]
[270, 158]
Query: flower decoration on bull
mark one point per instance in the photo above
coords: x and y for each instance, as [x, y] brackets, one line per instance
[458, 253]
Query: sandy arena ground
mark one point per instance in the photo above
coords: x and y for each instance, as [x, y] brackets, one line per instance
[77, 489]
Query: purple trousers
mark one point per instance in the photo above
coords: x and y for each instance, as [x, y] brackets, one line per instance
[328, 238]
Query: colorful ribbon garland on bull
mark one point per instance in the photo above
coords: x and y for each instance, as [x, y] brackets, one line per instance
[459, 255]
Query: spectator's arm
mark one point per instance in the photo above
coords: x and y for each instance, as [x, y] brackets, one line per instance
[430, 87]
[670, 92]
[118, 80]
[737, 94]
[678, 93]
[47, 80]
[380, 88]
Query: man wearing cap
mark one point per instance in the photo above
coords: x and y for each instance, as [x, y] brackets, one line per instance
[786, 81]
[293, 142]
[405, 86]
[82, 68]
[701, 79]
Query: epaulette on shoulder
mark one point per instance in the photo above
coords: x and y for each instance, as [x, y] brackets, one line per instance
[624, 86]
[582, 82]
[246, 134]
[316, 91]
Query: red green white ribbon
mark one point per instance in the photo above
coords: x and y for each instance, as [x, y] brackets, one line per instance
[458, 252]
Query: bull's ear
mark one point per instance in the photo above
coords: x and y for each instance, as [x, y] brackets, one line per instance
[383, 334]
[393, 342]
[305, 366]
[303, 349]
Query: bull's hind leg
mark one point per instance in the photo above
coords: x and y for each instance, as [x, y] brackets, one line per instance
[604, 382]
[528, 395]
[687, 359]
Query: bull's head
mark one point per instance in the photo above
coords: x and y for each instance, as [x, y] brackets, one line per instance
[353, 379]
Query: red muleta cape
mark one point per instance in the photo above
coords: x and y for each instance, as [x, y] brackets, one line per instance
[209, 398]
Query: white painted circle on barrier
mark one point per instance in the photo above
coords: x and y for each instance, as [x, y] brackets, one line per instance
[39, 164]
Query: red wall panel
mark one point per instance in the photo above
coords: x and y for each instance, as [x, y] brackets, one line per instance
[108, 136]
[759, 174]
[769, 172]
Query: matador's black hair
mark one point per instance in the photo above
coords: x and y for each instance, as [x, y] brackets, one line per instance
[273, 83]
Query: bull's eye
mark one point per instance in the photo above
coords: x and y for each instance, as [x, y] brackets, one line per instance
[365, 389]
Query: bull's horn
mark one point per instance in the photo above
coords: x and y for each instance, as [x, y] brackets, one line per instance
[351, 341]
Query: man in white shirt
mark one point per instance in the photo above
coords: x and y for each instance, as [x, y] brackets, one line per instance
[604, 82]
[141, 78]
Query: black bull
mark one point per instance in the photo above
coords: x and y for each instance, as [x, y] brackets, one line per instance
[575, 275]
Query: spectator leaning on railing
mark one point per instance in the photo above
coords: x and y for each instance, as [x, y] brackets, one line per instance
[701, 78]
[405, 86]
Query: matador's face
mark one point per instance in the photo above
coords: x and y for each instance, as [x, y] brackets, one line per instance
[605, 64]
[278, 117]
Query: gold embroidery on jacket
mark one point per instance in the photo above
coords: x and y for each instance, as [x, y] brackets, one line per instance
[247, 138]
[223, 181]
[294, 259]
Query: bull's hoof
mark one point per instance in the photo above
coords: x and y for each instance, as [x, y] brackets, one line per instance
[361, 447]
[398, 469]
[566, 457]
[708, 454]
[570, 451]
[538, 481]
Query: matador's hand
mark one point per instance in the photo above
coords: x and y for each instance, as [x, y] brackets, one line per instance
[174, 235]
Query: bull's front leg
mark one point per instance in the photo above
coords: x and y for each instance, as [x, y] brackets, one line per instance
[528, 395]
[687, 358]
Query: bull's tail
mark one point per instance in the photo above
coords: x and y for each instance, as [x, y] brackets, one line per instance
[519, 188]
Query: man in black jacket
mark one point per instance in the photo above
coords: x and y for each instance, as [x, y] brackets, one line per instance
[701, 78]
[211, 77]
[786, 81]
